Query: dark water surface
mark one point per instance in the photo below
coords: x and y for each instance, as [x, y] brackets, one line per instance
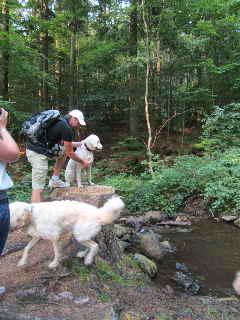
[211, 253]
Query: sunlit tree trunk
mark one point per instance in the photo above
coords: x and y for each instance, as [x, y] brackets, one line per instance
[146, 96]
[4, 55]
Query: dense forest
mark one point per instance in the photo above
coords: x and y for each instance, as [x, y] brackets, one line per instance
[120, 59]
[138, 66]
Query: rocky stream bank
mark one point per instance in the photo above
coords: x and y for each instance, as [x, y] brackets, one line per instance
[125, 290]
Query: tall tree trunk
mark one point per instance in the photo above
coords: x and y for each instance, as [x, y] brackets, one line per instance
[72, 75]
[4, 55]
[146, 107]
[133, 110]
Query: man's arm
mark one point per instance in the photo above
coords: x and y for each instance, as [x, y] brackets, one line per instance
[76, 144]
[9, 150]
[68, 146]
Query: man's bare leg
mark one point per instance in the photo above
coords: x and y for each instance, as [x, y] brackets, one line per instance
[60, 162]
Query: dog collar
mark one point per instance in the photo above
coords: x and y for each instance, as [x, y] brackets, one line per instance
[88, 148]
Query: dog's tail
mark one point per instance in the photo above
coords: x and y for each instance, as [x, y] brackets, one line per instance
[20, 214]
[111, 210]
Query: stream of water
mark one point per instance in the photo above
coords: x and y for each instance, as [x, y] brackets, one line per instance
[210, 251]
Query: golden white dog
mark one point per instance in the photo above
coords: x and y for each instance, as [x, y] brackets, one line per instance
[49, 220]
[85, 150]
[236, 283]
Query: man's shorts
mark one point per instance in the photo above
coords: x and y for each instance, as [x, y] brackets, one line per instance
[39, 164]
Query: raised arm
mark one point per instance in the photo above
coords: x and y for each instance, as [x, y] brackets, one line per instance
[68, 146]
[9, 150]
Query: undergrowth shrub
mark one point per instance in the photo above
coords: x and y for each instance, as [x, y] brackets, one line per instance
[215, 178]
[221, 129]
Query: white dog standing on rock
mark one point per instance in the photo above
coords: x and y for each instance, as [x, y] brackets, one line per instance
[50, 220]
[85, 150]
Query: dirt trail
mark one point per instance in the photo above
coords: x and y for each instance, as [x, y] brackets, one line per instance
[14, 277]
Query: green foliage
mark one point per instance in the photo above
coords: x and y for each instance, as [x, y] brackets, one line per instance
[215, 178]
[21, 175]
[15, 118]
[81, 271]
[221, 129]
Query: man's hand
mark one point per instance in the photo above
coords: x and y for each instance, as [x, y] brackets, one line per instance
[72, 155]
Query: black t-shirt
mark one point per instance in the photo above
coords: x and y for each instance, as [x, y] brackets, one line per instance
[60, 131]
[56, 134]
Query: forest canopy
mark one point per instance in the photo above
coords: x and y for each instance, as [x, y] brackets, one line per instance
[95, 54]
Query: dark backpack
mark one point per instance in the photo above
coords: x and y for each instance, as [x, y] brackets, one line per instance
[34, 129]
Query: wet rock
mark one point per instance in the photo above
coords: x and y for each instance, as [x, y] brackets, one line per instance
[148, 243]
[166, 246]
[237, 222]
[181, 267]
[146, 264]
[124, 245]
[186, 282]
[229, 218]
[155, 216]
[133, 222]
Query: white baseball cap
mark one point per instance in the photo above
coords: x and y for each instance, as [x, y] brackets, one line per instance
[79, 115]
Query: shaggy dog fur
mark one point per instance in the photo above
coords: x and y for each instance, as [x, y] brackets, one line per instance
[50, 220]
[85, 151]
[236, 283]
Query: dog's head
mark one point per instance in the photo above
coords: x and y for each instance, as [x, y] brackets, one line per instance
[93, 143]
[20, 213]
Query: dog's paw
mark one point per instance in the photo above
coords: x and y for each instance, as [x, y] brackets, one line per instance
[88, 260]
[81, 253]
[53, 265]
[21, 263]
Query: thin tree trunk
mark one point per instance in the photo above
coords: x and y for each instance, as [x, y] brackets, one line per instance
[149, 141]
[133, 110]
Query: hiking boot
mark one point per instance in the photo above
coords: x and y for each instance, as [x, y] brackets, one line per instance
[56, 184]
